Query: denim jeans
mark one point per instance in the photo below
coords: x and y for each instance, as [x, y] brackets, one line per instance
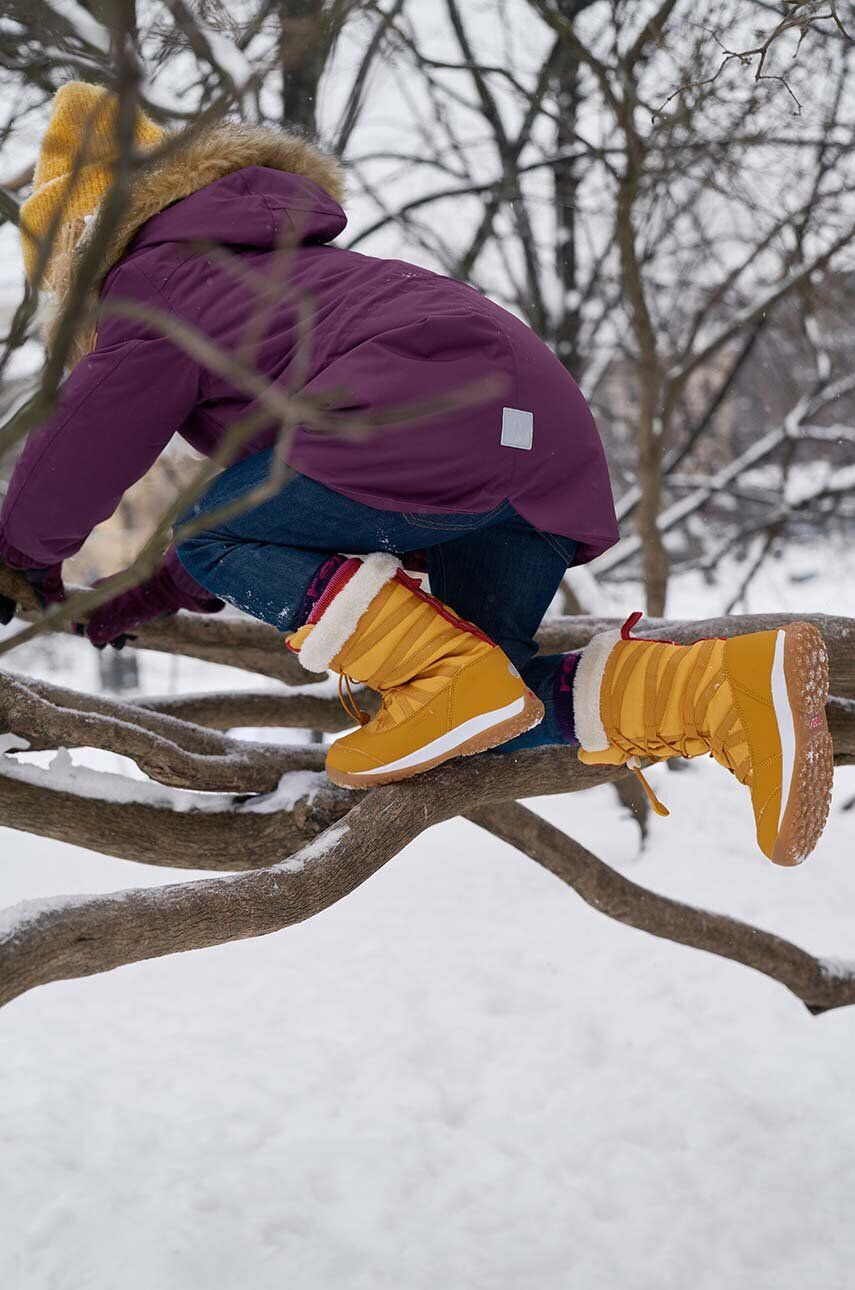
[493, 569]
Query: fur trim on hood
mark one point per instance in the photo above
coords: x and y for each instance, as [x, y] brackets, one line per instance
[188, 166]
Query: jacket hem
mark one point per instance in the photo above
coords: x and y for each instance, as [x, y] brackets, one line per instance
[589, 546]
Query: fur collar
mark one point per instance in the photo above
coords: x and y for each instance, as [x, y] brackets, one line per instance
[212, 153]
[209, 155]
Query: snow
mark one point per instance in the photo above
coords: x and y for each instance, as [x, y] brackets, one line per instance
[64, 775]
[83, 23]
[293, 786]
[839, 969]
[460, 1075]
[230, 58]
[314, 851]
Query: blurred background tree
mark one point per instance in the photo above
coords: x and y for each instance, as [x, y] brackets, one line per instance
[666, 199]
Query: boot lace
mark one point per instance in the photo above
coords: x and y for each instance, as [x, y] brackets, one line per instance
[722, 742]
[349, 702]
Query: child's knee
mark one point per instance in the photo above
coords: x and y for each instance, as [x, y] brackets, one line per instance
[197, 552]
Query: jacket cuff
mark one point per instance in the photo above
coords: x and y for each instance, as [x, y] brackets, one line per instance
[16, 559]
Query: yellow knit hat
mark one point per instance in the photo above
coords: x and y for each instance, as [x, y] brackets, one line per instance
[82, 122]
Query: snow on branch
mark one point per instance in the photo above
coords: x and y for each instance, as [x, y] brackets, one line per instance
[79, 936]
[789, 430]
[307, 843]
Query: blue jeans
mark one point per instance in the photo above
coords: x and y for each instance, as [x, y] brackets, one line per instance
[494, 569]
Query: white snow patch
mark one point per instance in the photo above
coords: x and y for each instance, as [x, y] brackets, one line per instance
[229, 58]
[314, 850]
[839, 969]
[85, 26]
[15, 918]
[293, 786]
[62, 775]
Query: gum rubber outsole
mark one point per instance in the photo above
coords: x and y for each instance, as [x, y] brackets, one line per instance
[805, 812]
[531, 714]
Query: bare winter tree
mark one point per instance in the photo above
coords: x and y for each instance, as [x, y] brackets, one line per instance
[214, 802]
[662, 217]
[210, 801]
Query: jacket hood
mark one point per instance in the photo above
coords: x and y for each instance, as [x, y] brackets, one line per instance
[285, 179]
[252, 207]
[288, 178]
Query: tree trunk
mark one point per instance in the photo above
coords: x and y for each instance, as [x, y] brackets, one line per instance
[566, 86]
[654, 554]
[566, 180]
[650, 411]
[304, 48]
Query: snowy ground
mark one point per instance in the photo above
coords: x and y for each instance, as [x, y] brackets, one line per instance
[459, 1077]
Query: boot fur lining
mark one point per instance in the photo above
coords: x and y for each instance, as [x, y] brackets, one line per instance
[587, 684]
[339, 622]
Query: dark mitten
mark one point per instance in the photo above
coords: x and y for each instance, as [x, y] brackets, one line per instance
[47, 584]
[169, 590]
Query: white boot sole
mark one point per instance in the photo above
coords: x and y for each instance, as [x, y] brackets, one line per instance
[487, 730]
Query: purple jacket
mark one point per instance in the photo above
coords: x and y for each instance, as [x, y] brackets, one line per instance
[384, 335]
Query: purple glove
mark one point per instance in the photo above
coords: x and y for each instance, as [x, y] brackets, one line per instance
[169, 590]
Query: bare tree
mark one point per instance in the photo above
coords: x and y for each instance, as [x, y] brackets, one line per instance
[294, 842]
[214, 802]
[653, 222]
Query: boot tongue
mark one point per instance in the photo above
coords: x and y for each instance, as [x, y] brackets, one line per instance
[688, 719]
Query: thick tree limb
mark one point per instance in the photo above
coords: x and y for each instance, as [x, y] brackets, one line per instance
[225, 638]
[171, 829]
[149, 823]
[560, 634]
[225, 710]
[53, 941]
[169, 750]
[255, 646]
[236, 642]
[80, 938]
[211, 639]
[820, 985]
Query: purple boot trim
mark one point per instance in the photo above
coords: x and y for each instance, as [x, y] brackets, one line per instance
[563, 693]
[321, 579]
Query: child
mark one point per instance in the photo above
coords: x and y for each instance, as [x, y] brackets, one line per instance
[503, 491]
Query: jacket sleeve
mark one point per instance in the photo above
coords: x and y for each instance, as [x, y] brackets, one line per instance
[116, 413]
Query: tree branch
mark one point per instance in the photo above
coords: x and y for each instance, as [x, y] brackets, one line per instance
[819, 984]
[79, 936]
[167, 749]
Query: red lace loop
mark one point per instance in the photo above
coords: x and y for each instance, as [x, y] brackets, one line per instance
[630, 623]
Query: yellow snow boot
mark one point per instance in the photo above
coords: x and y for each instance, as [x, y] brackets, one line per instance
[447, 690]
[756, 703]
